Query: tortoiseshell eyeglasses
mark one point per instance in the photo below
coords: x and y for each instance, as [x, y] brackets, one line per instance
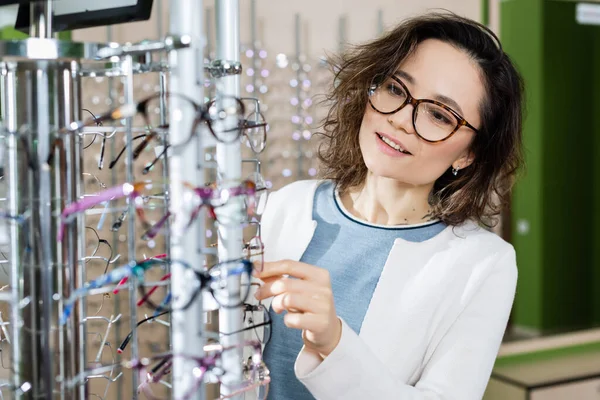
[433, 121]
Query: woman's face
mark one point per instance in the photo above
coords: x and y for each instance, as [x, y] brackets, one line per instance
[436, 71]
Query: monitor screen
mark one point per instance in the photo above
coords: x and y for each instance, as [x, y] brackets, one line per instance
[9, 2]
[78, 14]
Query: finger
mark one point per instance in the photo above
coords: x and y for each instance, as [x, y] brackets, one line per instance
[300, 302]
[288, 285]
[294, 268]
[306, 321]
[272, 279]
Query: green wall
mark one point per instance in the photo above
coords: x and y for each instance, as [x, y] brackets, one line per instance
[521, 20]
[567, 161]
[558, 263]
[594, 141]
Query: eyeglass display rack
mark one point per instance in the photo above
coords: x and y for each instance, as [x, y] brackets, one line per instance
[290, 85]
[41, 93]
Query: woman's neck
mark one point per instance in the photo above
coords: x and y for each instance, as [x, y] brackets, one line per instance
[388, 202]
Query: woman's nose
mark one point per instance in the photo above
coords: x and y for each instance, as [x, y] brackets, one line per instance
[403, 119]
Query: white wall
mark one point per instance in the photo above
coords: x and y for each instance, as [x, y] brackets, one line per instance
[320, 21]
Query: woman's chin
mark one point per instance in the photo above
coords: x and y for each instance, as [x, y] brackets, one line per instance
[379, 172]
[405, 177]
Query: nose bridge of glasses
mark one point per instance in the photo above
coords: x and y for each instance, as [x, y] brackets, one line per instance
[405, 115]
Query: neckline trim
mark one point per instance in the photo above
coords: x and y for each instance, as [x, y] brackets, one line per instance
[340, 206]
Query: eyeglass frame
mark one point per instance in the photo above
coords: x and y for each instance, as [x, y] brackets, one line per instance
[244, 124]
[249, 309]
[207, 363]
[125, 190]
[204, 279]
[415, 103]
[206, 194]
[202, 115]
[128, 338]
[247, 124]
[137, 269]
[214, 351]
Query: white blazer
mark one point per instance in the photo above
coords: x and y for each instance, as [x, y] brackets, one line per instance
[434, 324]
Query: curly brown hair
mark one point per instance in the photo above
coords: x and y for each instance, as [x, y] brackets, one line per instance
[481, 190]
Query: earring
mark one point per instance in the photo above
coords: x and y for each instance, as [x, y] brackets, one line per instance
[455, 171]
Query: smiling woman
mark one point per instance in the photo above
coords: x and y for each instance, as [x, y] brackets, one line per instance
[460, 70]
[380, 279]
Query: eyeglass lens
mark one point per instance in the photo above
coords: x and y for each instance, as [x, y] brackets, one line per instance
[431, 121]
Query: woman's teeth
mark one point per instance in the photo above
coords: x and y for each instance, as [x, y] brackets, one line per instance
[392, 144]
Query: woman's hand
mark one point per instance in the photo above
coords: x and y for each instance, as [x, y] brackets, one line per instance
[308, 301]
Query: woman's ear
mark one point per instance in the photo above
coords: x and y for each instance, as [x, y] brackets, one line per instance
[464, 161]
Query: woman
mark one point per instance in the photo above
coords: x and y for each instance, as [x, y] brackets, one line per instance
[382, 282]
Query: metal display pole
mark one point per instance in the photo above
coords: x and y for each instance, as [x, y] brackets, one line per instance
[298, 55]
[380, 24]
[229, 162]
[41, 19]
[187, 69]
[342, 29]
[253, 39]
[115, 233]
[39, 95]
[209, 17]
[131, 257]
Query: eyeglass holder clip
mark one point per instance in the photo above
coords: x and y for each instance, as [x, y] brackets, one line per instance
[169, 43]
[221, 68]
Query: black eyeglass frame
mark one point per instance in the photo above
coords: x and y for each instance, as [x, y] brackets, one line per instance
[202, 114]
[204, 279]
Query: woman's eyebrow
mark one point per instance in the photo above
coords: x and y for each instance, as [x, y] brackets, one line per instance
[449, 102]
[405, 75]
[439, 97]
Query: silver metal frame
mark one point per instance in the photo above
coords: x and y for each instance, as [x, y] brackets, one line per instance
[38, 98]
[131, 253]
[48, 359]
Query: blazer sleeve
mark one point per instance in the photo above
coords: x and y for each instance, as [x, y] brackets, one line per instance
[459, 368]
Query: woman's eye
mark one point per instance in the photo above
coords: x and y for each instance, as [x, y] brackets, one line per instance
[395, 90]
[440, 118]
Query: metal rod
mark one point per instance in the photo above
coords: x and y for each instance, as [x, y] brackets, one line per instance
[41, 19]
[77, 249]
[131, 257]
[342, 28]
[380, 24]
[44, 246]
[159, 19]
[3, 326]
[115, 234]
[165, 171]
[43, 269]
[186, 78]
[210, 45]
[229, 163]
[253, 39]
[105, 338]
[162, 81]
[298, 55]
[42, 264]
[8, 109]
